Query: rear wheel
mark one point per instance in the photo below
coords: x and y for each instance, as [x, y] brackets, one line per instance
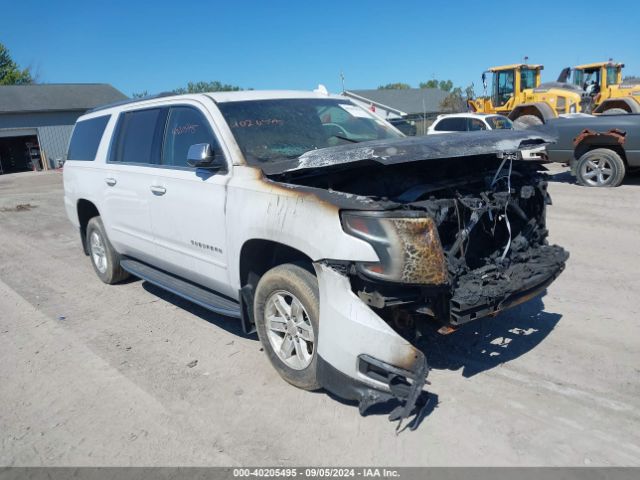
[286, 310]
[104, 258]
[600, 167]
[528, 121]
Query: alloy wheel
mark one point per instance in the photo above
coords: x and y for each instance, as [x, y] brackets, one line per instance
[98, 252]
[289, 329]
[597, 172]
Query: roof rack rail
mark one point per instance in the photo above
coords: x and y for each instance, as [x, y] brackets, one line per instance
[131, 100]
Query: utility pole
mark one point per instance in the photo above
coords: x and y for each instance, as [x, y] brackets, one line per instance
[342, 80]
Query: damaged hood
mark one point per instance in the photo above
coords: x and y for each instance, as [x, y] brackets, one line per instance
[411, 149]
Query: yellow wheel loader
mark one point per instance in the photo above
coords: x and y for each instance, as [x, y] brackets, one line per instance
[517, 92]
[604, 89]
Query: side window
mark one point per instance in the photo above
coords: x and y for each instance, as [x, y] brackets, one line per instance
[86, 138]
[137, 136]
[443, 125]
[612, 76]
[453, 124]
[476, 124]
[527, 79]
[186, 126]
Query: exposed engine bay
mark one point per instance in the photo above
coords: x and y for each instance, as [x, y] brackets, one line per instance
[489, 241]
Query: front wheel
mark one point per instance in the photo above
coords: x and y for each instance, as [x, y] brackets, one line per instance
[526, 121]
[286, 310]
[615, 111]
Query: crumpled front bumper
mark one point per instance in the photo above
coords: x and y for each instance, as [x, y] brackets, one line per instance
[360, 357]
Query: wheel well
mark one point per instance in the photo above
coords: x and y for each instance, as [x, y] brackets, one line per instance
[86, 211]
[257, 256]
[609, 104]
[587, 146]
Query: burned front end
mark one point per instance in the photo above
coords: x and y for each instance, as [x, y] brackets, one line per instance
[458, 226]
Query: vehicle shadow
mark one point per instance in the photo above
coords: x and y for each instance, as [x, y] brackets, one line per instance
[231, 325]
[561, 177]
[632, 178]
[477, 347]
[486, 343]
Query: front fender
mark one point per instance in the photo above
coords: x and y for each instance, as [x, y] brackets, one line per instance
[260, 209]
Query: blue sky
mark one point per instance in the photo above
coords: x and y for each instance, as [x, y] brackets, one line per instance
[163, 44]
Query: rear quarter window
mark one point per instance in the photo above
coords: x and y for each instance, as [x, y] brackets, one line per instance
[86, 138]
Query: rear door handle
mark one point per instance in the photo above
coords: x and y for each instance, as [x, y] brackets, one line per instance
[110, 181]
[157, 190]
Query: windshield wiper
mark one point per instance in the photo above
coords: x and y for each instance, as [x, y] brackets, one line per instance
[341, 137]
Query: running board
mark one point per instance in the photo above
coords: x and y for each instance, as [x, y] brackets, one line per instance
[189, 291]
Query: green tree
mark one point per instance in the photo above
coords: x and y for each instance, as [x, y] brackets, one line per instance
[433, 83]
[456, 101]
[10, 73]
[394, 86]
[445, 85]
[470, 92]
[200, 87]
[196, 87]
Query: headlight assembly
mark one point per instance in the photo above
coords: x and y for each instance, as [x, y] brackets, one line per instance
[407, 244]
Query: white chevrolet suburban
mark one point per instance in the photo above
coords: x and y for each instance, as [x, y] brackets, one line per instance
[315, 223]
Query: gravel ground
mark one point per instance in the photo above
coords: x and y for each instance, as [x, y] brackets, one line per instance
[92, 374]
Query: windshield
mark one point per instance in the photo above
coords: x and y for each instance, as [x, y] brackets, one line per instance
[286, 128]
[577, 77]
[499, 122]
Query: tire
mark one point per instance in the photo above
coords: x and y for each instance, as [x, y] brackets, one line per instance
[104, 258]
[289, 283]
[600, 167]
[525, 121]
[615, 111]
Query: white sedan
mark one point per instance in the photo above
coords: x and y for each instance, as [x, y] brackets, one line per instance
[473, 122]
[468, 122]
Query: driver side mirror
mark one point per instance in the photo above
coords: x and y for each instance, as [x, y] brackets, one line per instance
[201, 155]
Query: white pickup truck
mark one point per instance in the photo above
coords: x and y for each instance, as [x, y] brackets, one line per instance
[315, 223]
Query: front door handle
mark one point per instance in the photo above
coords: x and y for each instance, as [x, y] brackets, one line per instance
[110, 181]
[157, 190]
